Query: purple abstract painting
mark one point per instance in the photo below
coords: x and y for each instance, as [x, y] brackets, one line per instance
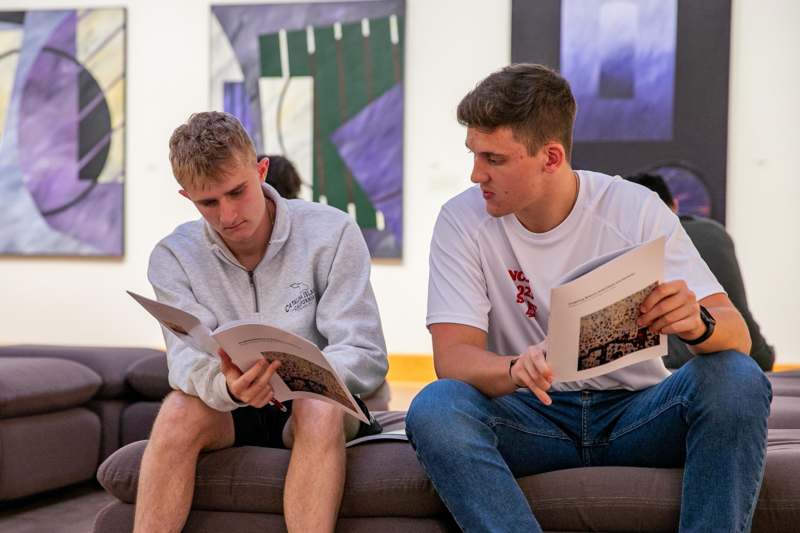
[62, 77]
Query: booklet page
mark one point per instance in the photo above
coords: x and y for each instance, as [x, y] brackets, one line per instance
[592, 327]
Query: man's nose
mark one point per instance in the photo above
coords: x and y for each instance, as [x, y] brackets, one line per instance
[478, 175]
[227, 211]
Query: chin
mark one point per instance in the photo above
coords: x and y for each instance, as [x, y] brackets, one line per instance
[496, 211]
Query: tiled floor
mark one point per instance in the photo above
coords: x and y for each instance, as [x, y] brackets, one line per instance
[69, 510]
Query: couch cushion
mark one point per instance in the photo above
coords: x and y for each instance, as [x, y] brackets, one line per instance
[785, 383]
[148, 377]
[44, 452]
[784, 412]
[118, 516]
[38, 385]
[384, 479]
[111, 363]
[137, 421]
[250, 479]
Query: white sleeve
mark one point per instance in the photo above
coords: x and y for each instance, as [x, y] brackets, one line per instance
[456, 284]
[682, 260]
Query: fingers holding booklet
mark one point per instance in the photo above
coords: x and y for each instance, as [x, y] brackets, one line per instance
[251, 387]
[294, 367]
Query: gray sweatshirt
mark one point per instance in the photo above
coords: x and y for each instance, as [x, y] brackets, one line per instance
[313, 281]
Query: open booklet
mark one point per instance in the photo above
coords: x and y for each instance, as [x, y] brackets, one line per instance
[592, 327]
[393, 424]
[304, 371]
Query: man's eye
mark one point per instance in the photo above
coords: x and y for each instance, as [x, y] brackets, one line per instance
[237, 192]
[209, 203]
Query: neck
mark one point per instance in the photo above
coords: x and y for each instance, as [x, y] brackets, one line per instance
[249, 254]
[554, 205]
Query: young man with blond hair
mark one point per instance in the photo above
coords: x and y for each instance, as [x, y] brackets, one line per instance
[297, 265]
[497, 250]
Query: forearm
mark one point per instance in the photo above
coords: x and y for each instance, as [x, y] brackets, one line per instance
[484, 370]
[730, 333]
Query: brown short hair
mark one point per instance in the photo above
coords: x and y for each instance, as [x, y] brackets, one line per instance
[533, 100]
[200, 149]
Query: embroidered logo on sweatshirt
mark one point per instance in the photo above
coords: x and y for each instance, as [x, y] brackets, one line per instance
[305, 296]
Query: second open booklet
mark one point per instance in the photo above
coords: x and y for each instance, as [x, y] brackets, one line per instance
[304, 371]
[593, 312]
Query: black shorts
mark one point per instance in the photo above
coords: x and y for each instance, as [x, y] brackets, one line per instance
[253, 426]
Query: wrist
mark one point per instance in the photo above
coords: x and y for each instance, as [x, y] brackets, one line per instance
[511, 364]
[704, 331]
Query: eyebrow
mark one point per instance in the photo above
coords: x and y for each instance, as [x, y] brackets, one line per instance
[226, 193]
[487, 153]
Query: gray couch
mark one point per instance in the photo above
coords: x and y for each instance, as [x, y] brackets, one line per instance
[64, 410]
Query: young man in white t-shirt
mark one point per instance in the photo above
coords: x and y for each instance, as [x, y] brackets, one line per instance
[497, 250]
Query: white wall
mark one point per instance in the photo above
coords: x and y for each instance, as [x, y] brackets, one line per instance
[82, 300]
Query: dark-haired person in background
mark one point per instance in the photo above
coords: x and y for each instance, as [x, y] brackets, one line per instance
[282, 175]
[716, 248]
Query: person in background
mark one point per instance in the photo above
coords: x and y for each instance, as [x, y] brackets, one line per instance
[716, 248]
[282, 175]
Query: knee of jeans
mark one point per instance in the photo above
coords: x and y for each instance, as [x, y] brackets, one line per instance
[734, 381]
[433, 409]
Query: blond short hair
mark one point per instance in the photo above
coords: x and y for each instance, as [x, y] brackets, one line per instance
[202, 148]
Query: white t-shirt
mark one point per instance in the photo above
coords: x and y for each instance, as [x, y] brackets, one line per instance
[495, 275]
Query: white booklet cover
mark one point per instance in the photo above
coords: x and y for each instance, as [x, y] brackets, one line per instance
[304, 371]
[592, 327]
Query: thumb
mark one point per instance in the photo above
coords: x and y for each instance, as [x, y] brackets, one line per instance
[226, 365]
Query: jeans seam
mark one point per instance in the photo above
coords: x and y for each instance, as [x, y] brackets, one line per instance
[494, 422]
[643, 421]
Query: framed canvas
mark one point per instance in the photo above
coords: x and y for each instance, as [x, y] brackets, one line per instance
[322, 84]
[62, 128]
[650, 78]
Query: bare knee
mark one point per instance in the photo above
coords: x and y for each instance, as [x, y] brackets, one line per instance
[185, 423]
[316, 423]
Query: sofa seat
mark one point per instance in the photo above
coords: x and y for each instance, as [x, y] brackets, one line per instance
[387, 490]
[48, 438]
[786, 383]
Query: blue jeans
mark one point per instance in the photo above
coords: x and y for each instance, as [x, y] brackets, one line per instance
[710, 417]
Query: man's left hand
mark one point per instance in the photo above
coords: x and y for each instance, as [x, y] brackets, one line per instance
[672, 309]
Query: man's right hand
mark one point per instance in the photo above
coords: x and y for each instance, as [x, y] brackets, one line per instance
[251, 387]
[531, 370]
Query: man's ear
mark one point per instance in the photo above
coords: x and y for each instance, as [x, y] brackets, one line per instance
[263, 166]
[184, 194]
[555, 156]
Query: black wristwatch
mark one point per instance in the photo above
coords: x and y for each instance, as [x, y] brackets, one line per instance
[710, 323]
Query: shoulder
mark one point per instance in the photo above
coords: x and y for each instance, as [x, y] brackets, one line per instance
[315, 217]
[188, 235]
[705, 229]
[466, 210]
[629, 209]
[604, 190]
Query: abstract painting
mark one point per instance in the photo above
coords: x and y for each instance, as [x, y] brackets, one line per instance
[650, 78]
[322, 84]
[62, 120]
